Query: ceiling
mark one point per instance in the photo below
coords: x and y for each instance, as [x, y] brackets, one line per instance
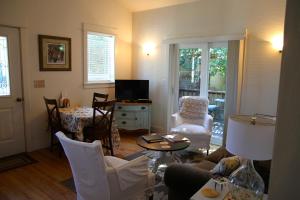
[141, 5]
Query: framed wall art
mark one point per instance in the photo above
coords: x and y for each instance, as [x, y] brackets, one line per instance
[54, 53]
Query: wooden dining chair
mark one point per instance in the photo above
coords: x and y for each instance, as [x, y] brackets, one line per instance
[102, 126]
[54, 122]
[99, 97]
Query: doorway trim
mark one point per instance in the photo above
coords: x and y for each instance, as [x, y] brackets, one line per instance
[26, 87]
[26, 80]
[26, 131]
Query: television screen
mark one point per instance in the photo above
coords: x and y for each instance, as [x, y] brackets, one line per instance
[131, 89]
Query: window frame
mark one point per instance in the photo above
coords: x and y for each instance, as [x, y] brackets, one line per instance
[9, 68]
[88, 28]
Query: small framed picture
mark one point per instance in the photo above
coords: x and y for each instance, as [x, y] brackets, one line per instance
[54, 53]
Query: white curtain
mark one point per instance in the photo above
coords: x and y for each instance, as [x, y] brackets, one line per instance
[173, 81]
[234, 80]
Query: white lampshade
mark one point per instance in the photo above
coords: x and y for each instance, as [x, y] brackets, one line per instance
[250, 137]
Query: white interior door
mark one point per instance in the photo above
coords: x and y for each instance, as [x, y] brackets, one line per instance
[12, 139]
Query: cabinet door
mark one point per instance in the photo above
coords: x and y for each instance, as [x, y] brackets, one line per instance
[143, 119]
[132, 117]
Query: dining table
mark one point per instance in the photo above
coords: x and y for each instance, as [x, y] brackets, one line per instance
[74, 119]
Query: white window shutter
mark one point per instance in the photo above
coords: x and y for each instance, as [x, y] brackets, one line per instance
[100, 57]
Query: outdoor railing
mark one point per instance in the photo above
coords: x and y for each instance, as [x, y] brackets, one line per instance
[212, 95]
[188, 92]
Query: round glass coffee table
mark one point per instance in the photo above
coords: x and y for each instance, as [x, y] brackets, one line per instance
[163, 147]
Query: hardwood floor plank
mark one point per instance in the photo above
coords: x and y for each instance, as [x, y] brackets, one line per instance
[42, 180]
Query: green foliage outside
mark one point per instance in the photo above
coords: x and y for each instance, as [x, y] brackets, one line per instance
[189, 58]
[217, 61]
[217, 68]
[186, 58]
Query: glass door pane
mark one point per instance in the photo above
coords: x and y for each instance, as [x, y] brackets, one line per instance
[217, 90]
[189, 71]
[4, 68]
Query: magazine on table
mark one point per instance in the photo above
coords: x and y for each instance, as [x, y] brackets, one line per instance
[153, 138]
[176, 138]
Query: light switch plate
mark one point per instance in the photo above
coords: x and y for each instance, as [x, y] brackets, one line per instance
[39, 83]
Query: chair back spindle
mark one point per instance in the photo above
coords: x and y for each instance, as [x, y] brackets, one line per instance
[102, 126]
[54, 121]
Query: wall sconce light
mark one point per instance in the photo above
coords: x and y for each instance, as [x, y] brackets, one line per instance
[277, 42]
[149, 48]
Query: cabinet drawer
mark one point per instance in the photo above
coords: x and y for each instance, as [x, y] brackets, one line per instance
[132, 116]
[132, 108]
[125, 115]
[126, 123]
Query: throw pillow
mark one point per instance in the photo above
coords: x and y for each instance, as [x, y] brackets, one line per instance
[226, 166]
[193, 107]
[217, 155]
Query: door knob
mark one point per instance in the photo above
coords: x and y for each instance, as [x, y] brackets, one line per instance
[19, 99]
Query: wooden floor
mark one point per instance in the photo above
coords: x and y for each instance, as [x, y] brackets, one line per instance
[42, 180]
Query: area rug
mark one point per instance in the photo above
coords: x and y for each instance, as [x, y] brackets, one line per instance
[15, 161]
[160, 189]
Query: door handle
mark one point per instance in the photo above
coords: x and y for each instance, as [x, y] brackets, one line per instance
[19, 99]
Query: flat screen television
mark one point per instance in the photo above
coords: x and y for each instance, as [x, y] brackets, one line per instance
[131, 90]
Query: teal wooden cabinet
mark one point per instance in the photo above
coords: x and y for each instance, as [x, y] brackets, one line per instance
[133, 116]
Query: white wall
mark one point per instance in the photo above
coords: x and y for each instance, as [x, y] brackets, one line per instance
[204, 18]
[62, 18]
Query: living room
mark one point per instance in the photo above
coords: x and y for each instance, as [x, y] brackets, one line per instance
[255, 21]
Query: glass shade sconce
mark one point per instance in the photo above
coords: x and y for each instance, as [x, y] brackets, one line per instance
[149, 48]
[277, 42]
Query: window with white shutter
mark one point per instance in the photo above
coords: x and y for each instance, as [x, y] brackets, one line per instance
[100, 58]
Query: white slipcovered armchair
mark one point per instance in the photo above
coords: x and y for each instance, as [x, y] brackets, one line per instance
[193, 121]
[105, 177]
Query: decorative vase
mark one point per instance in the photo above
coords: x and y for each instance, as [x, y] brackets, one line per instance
[246, 183]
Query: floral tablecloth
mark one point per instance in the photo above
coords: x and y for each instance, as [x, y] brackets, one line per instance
[75, 119]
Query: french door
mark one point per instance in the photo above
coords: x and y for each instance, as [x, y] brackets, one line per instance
[200, 70]
[193, 68]
[12, 140]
